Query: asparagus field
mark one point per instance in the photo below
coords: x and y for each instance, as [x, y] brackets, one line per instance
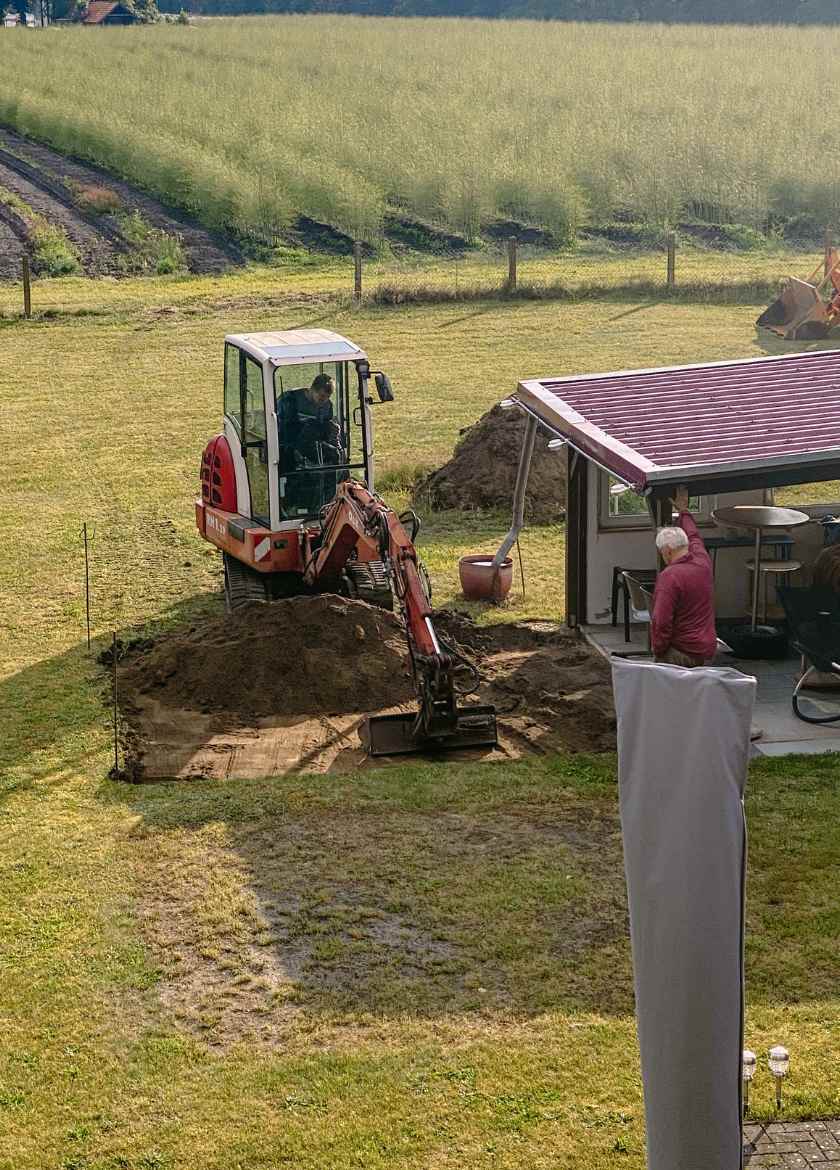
[252, 123]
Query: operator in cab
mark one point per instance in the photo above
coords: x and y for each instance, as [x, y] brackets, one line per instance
[305, 419]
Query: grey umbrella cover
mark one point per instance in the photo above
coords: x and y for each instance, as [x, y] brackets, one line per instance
[683, 752]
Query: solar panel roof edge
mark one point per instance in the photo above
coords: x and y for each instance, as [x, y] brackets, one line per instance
[765, 359]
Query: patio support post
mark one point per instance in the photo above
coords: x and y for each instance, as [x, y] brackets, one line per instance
[525, 454]
[756, 578]
[576, 538]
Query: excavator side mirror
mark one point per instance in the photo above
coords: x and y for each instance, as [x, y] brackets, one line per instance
[383, 387]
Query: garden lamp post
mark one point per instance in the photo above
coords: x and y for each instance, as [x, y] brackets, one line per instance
[778, 1061]
[748, 1063]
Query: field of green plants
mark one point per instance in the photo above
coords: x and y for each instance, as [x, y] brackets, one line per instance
[252, 122]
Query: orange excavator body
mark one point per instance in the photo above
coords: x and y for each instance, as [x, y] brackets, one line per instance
[282, 503]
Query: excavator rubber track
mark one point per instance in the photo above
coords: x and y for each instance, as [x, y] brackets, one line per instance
[242, 584]
[368, 581]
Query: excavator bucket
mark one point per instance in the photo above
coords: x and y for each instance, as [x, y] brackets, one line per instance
[799, 314]
[395, 735]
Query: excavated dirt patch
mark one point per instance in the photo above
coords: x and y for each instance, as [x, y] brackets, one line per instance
[482, 472]
[286, 687]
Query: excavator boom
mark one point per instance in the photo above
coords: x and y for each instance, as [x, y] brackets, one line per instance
[355, 518]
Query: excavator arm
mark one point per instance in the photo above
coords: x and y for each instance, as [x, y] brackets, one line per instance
[358, 528]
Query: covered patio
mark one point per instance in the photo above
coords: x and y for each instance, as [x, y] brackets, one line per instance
[734, 433]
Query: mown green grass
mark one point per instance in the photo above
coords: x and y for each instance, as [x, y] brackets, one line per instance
[420, 966]
[253, 121]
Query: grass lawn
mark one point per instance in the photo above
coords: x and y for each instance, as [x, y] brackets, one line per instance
[701, 272]
[423, 966]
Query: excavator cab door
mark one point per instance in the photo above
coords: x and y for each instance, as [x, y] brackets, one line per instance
[246, 431]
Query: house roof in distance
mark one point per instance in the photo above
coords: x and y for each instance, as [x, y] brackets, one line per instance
[97, 10]
[715, 426]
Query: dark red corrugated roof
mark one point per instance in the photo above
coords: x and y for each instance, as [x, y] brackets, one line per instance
[647, 425]
[97, 10]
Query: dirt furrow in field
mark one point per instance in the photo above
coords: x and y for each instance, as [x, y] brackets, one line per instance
[11, 252]
[205, 251]
[95, 249]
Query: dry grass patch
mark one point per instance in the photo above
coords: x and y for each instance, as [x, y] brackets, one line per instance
[265, 930]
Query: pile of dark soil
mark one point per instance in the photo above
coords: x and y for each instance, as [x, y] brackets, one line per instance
[482, 472]
[551, 690]
[286, 687]
[320, 655]
[503, 229]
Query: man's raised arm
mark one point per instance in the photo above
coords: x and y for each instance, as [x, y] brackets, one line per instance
[686, 522]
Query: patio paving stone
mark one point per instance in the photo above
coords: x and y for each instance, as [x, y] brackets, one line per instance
[792, 1145]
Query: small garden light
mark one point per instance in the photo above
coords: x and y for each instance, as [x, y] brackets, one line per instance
[778, 1061]
[748, 1063]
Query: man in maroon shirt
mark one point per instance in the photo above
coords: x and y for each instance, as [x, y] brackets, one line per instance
[682, 628]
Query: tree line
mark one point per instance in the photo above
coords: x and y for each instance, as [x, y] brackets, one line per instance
[669, 11]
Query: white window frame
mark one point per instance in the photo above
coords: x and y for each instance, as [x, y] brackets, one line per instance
[638, 520]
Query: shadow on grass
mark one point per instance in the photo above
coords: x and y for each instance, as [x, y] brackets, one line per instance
[774, 346]
[420, 890]
[55, 714]
[652, 304]
[470, 892]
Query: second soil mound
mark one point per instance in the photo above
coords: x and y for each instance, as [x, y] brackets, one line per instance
[482, 472]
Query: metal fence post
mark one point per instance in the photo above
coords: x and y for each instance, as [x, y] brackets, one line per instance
[87, 583]
[672, 259]
[511, 280]
[357, 270]
[116, 715]
[828, 250]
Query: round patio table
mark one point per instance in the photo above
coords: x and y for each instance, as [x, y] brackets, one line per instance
[759, 517]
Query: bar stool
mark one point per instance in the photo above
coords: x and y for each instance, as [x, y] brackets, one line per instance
[778, 569]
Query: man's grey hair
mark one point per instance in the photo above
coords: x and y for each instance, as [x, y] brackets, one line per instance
[673, 538]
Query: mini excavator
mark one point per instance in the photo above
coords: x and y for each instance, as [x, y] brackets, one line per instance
[287, 495]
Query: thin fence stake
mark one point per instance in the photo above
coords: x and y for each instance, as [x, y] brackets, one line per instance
[87, 584]
[357, 270]
[511, 280]
[672, 259]
[828, 250]
[27, 290]
[116, 733]
[456, 278]
[521, 568]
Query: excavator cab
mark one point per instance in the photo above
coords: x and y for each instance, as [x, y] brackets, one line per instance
[297, 414]
[319, 434]
[297, 426]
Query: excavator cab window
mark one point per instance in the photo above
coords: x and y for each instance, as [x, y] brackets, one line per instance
[318, 439]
